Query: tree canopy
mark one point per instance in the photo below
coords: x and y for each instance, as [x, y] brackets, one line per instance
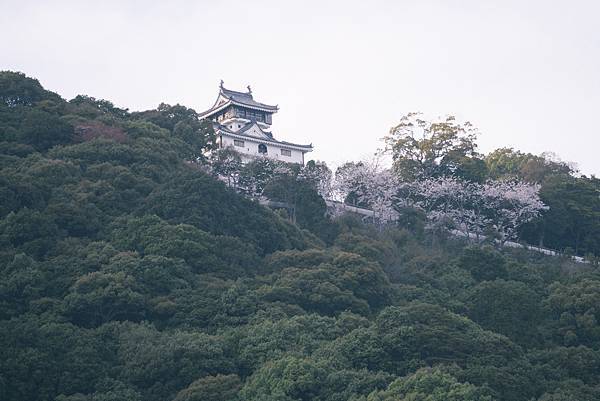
[131, 268]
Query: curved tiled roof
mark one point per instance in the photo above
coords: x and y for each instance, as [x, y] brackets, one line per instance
[243, 99]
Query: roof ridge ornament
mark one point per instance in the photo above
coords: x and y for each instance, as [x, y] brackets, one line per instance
[227, 97]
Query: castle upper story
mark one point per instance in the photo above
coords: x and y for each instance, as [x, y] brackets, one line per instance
[245, 124]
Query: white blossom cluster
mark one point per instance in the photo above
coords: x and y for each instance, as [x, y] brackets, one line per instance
[501, 207]
[370, 187]
[319, 175]
[448, 202]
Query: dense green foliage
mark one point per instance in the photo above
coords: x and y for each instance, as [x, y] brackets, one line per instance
[127, 273]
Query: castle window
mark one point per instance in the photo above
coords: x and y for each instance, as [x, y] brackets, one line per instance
[238, 142]
[286, 152]
[262, 148]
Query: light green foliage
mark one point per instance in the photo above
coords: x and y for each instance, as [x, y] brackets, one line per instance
[510, 163]
[362, 348]
[267, 339]
[211, 388]
[430, 385]
[286, 379]
[422, 148]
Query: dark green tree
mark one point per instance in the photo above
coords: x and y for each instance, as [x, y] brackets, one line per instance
[43, 130]
[17, 89]
[507, 307]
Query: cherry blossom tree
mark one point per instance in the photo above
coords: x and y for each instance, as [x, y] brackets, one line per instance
[256, 174]
[226, 164]
[319, 176]
[349, 184]
[366, 184]
[448, 203]
[471, 208]
[510, 204]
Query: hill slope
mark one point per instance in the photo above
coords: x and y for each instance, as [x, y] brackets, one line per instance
[128, 274]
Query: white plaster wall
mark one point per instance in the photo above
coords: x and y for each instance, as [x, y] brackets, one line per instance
[273, 151]
[235, 124]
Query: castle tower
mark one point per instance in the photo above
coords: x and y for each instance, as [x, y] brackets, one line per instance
[245, 124]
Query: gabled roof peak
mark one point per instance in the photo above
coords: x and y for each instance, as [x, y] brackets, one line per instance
[244, 99]
[253, 124]
[229, 93]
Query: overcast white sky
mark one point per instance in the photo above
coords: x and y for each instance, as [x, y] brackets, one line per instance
[527, 73]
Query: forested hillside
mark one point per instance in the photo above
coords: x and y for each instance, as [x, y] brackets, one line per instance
[128, 272]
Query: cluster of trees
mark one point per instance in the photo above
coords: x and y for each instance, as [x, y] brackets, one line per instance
[130, 273]
[440, 181]
[438, 174]
[494, 208]
[303, 189]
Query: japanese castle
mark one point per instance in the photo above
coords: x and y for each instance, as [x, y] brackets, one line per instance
[245, 124]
